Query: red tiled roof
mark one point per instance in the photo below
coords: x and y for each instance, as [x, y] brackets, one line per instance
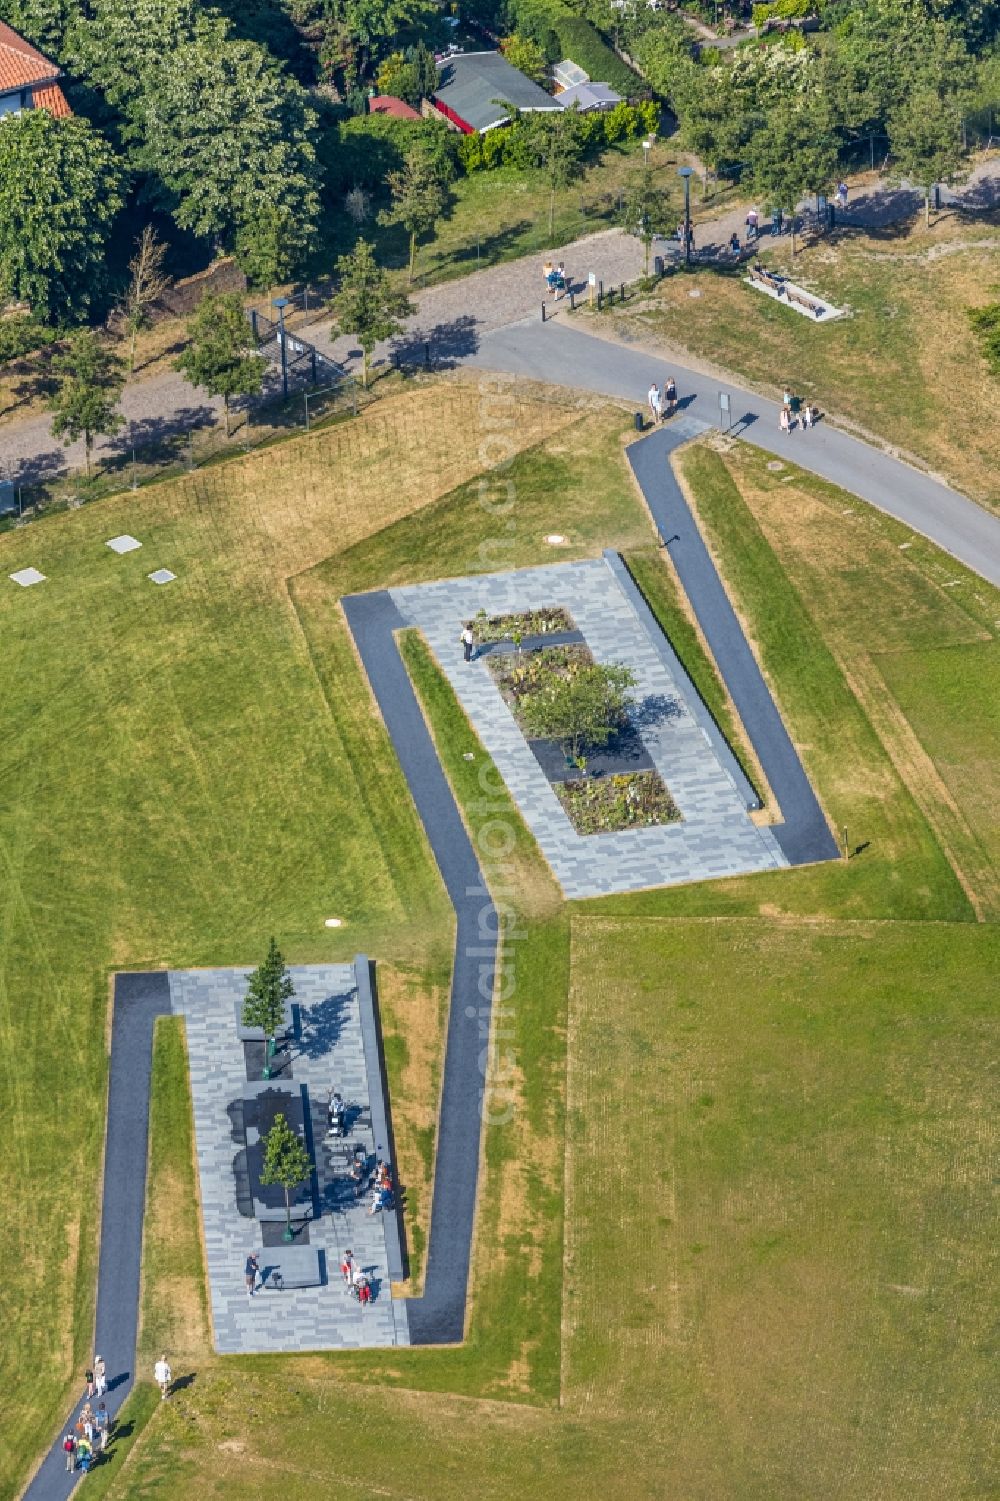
[20, 63]
[388, 104]
[51, 97]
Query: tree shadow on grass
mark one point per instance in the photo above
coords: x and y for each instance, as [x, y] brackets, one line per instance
[488, 248]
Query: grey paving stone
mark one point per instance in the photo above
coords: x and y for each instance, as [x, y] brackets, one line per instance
[715, 837]
[328, 1052]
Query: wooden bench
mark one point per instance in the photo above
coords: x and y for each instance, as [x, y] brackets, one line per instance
[809, 303]
[767, 279]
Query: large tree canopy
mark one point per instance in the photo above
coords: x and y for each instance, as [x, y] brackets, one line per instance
[60, 189]
[225, 131]
[223, 137]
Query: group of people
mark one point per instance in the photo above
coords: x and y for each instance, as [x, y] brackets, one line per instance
[663, 403]
[555, 279]
[355, 1280]
[795, 410]
[89, 1435]
[381, 1188]
[87, 1438]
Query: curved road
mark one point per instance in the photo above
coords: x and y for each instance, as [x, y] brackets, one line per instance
[560, 355]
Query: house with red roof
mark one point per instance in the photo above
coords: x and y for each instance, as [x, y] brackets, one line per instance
[27, 79]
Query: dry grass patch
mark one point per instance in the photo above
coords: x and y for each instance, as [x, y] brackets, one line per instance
[903, 365]
[413, 1004]
[876, 603]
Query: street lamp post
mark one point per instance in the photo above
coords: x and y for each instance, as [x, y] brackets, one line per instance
[686, 173]
[281, 303]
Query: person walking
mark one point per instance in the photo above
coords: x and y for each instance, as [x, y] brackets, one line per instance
[84, 1455]
[69, 1449]
[88, 1376]
[162, 1376]
[87, 1422]
[347, 1267]
[250, 1273]
[653, 401]
[364, 1291]
[753, 224]
[807, 415]
[468, 643]
[100, 1376]
[842, 195]
[785, 419]
[670, 395]
[101, 1425]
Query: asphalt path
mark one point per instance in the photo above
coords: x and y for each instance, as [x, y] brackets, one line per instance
[139, 999]
[803, 833]
[439, 1316]
[560, 355]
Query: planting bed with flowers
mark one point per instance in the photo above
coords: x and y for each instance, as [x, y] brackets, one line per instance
[559, 694]
[523, 623]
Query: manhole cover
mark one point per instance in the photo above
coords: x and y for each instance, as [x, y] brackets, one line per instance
[776, 466]
[556, 539]
[334, 922]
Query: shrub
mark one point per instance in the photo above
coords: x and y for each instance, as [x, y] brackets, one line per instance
[21, 336]
[362, 151]
[515, 145]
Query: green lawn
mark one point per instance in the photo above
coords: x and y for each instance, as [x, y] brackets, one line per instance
[788, 1257]
[180, 780]
[949, 698]
[189, 769]
[174, 1309]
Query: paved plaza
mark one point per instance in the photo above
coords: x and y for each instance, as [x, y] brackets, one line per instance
[327, 1051]
[716, 836]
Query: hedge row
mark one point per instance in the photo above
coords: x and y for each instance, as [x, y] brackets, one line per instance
[579, 40]
[517, 144]
[561, 34]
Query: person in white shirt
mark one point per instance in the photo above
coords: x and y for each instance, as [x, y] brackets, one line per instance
[162, 1376]
[653, 401]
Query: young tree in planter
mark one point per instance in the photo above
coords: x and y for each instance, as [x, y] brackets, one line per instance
[419, 198]
[220, 357]
[264, 1003]
[286, 1162]
[366, 304]
[146, 285]
[583, 709]
[646, 211]
[85, 402]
